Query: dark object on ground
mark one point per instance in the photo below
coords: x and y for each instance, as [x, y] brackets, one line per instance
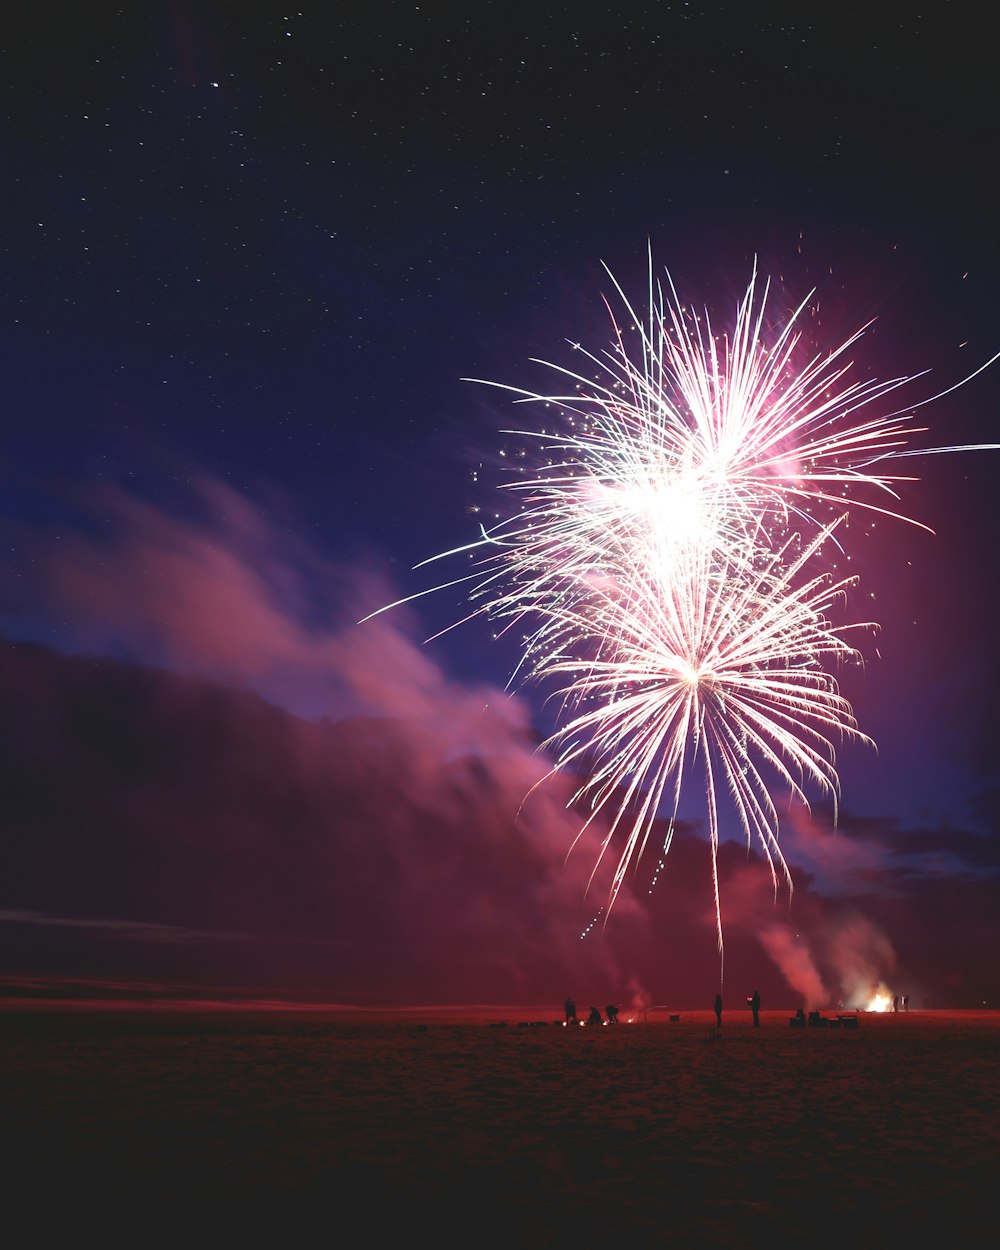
[818, 1021]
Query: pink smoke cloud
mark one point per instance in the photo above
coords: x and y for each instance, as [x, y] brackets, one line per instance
[793, 957]
[434, 830]
[861, 955]
[438, 798]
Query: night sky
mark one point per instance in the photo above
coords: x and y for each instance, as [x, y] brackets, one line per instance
[249, 256]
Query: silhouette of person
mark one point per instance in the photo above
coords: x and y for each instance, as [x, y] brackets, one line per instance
[754, 1001]
[895, 1002]
[612, 1011]
[718, 1011]
[594, 1017]
[570, 1011]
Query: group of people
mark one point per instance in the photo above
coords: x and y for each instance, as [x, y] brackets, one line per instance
[595, 1015]
[753, 1002]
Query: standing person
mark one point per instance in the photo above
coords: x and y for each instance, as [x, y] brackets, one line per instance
[754, 1001]
[718, 1011]
[612, 1011]
[570, 1011]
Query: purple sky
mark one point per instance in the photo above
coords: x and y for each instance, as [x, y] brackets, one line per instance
[248, 260]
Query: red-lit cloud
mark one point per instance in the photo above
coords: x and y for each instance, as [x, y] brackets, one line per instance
[370, 828]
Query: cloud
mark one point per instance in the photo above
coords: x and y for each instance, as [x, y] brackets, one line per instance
[366, 855]
[215, 588]
[140, 930]
[377, 830]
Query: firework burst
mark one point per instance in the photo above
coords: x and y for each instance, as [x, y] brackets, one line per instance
[668, 563]
[723, 663]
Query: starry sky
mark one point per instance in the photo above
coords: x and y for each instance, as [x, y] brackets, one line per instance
[249, 255]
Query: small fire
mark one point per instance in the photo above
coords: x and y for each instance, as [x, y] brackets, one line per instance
[882, 999]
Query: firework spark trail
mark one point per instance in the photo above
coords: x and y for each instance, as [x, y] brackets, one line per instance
[667, 563]
[731, 424]
[725, 663]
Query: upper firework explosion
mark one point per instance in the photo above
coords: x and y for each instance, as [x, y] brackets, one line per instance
[668, 562]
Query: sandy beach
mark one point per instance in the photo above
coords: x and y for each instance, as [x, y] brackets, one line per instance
[500, 1126]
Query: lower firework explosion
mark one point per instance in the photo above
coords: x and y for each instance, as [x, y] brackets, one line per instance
[720, 661]
[669, 565]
